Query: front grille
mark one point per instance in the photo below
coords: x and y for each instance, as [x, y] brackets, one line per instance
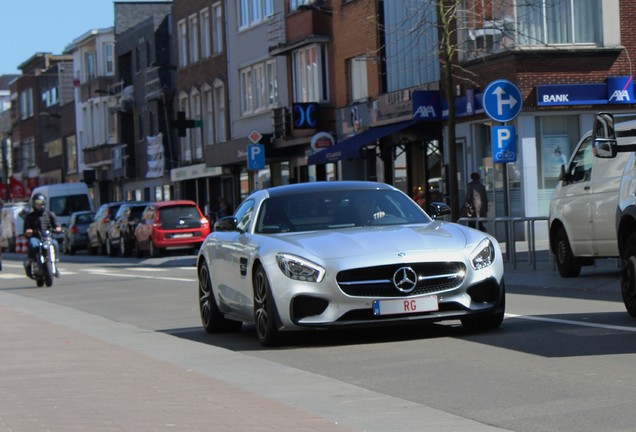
[378, 281]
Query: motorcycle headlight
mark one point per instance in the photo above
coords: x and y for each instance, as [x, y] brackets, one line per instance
[483, 255]
[297, 268]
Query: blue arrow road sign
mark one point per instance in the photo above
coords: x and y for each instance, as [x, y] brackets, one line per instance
[255, 157]
[504, 144]
[502, 100]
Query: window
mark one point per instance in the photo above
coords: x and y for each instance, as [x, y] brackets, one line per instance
[208, 116]
[219, 104]
[258, 87]
[295, 4]
[194, 39]
[358, 88]
[183, 43]
[557, 137]
[556, 22]
[310, 74]
[186, 151]
[252, 12]
[28, 153]
[89, 66]
[109, 65]
[217, 27]
[205, 33]
[509, 23]
[26, 104]
[195, 114]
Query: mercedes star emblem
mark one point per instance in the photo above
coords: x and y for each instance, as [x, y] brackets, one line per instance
[405, 279]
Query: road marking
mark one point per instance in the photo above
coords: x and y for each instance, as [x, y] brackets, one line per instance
[103, 272]
[145, 269]
[576, 323]
[4, 275]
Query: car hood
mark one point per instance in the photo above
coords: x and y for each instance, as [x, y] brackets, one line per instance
[436, 236]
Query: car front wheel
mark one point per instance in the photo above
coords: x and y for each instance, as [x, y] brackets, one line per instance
[566, 262]
[264, 310]
[487, 322]
[628, 275]
[212, 319]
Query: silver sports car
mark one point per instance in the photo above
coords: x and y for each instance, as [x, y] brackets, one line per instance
[336, 254]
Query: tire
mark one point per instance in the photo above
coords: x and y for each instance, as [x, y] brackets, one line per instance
[487, 322]
[567, 264]
[138, 252]
[154, 251]
[110, 250]
[100, 246]
[124, 247]
[628, 275]
[48, 273]
[212, 319]
[264, 310]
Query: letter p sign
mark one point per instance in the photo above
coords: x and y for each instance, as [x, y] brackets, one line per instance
[255, 157]
[504, 144]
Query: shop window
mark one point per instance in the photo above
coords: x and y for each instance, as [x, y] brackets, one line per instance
[557, 137]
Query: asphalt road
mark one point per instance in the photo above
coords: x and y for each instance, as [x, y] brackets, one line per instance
[562, 360]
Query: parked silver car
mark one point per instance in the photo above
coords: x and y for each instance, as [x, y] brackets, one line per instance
[336, 254]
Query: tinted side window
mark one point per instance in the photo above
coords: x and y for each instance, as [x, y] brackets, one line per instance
[244, 215]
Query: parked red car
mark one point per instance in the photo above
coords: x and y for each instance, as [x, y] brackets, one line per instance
[168, 225]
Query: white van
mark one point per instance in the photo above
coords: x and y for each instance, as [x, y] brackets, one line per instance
[64, 199]
[582, 219]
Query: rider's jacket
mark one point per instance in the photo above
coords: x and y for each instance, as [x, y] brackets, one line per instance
[39, 221]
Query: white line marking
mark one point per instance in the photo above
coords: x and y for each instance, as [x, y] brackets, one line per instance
[103, 272]
[576, 323]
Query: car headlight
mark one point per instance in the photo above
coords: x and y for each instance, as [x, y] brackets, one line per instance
[483, 255]
[297, 268]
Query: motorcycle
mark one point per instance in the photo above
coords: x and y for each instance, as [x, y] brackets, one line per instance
[44, 266]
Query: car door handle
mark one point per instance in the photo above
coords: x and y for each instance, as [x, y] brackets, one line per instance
[586, 188]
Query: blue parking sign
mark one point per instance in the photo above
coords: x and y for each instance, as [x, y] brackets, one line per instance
[255, 157]
[504, 144]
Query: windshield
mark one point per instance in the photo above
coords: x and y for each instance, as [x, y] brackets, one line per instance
[336, 210]
[65, 205]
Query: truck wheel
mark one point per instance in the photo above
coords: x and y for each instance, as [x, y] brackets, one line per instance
[567, 264]
[628, 275]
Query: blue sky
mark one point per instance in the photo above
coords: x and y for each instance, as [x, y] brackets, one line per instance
[31, 26]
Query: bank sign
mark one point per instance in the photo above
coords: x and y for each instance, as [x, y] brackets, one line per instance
[617, 90]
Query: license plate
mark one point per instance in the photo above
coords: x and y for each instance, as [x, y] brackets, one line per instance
[184, 235]
[405, 306]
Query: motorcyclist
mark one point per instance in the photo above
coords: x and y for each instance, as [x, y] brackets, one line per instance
[35, 223]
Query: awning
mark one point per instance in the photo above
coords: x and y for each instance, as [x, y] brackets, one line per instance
[350, 148]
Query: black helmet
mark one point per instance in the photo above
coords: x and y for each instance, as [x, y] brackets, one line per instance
[38, 198]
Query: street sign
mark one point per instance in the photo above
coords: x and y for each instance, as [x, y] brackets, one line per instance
[502, 101]
[504, 144]
[255, 137]
[255, 157]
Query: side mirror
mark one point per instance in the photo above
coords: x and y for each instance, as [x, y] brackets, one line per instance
[227, 223]
[605, 148]
[438, 209]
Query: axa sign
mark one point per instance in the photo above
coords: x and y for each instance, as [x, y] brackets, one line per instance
[617, 90]
[620, 89]
[426, 105]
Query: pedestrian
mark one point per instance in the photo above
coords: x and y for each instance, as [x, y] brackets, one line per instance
[1, 236]
[419, 197]
[223, 208]
[477, 199]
